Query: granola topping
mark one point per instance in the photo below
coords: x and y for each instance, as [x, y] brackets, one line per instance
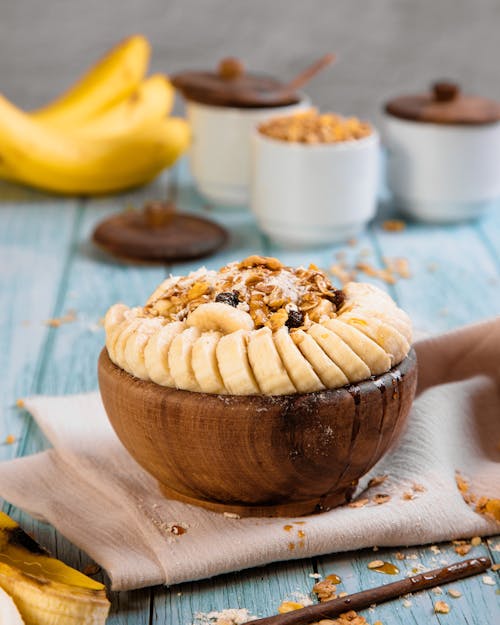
[312, 127]
[274, 295]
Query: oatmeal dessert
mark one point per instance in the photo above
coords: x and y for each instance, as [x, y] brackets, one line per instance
[258, 327]
[313, 127]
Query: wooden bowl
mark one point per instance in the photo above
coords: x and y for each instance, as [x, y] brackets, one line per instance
[258, 455]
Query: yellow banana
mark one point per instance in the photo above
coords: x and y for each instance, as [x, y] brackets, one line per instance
[111, 79]
[151, 101]
[46, 591]
[58, 161]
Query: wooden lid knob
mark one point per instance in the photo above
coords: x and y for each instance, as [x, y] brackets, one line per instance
[231, 68]
[445, 91]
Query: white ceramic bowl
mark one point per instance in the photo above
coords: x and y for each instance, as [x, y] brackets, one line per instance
[220, 154]
[442, 173]
[314, 194]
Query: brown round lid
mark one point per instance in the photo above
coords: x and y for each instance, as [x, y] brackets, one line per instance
[158, 234]
[445, 104]
[231, 85]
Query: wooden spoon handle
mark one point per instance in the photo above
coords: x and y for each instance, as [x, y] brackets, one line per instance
[306, 75]
[366, 598]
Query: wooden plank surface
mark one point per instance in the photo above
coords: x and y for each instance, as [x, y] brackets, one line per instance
[48, 267]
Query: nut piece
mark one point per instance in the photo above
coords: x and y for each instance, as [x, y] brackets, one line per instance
[441, 607]
[375, 564]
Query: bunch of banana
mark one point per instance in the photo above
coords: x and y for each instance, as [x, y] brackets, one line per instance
[111, 130]
[36, 589]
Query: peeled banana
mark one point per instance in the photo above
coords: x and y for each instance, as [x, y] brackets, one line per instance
[9, 614]
[44, 590]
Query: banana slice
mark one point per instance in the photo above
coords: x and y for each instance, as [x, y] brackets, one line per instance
[235, 370]
[9, 614]
[180, 359]
[300, 371]
[340, 353]
[266, 364]
[387, 336]
[204, 361]
[113, 318]
[136, 345]
[156, 353]
[372, 301]
[220, 317]
[328, 372]
[369, 351]
[124, 331]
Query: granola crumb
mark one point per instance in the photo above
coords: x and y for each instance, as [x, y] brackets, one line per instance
[342, 594]
[435, 549]
[231, 515]
[441, 607]
[358, 503]
[55, 322]
[315, 575]
[400, 556]
[325, 590]
[488, 580]
[377, 480]
[10, 439]
[418, 488]
[437, 590]
[475, 541]
[462, 550]
[177, 529]
[20, 403]
[407, 496]
[91, 569]
[381, 498]
[229, 616]
[495, 567]
[407, 603]
[456, 594]
[393, 225]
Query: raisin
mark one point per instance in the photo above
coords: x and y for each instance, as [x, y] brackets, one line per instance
[338, 299]
[230, 298]
[295, 319]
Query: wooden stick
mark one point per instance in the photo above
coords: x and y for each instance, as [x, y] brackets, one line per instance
[366, 598]
[311, 71]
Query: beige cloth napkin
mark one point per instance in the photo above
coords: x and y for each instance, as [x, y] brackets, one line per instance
[92, 491]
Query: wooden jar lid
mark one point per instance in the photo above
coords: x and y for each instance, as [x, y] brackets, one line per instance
[158, 234]
[232, 86]
[445, 104]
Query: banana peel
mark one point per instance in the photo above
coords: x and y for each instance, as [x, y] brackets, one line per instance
[45, 590]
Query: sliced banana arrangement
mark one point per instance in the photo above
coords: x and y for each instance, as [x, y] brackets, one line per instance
[258, 327]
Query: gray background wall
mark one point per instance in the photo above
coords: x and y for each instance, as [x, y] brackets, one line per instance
[384, 47]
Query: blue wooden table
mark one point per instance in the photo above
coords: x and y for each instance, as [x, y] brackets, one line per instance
[48, 268]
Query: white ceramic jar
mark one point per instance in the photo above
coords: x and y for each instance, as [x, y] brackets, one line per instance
[314, 194]
[220, 153]
[443, 165]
